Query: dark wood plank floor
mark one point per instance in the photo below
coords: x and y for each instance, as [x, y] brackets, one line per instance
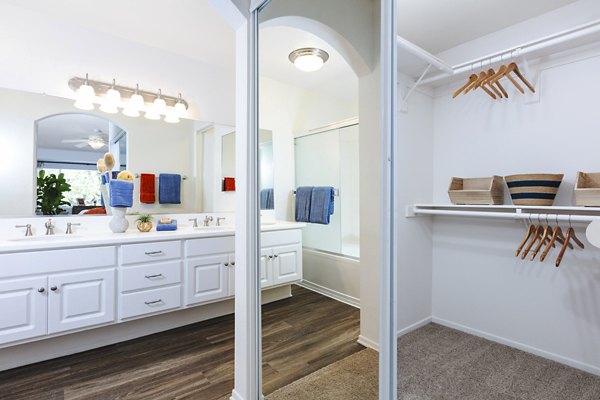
[300, 335]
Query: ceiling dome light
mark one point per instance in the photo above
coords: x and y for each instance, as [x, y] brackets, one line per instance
[111, 101]
[135, 104]
[172, 116]
[84, 96]
[180, 107]
[308, 59]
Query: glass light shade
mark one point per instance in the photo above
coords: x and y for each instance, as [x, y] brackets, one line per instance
[137, 101]
[159, 106]
[152, 114]
[84, 97]
[180, 109]
[111, 101]
[171, 116]
[308, 63]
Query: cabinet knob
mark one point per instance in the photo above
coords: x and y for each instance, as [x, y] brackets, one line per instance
[54, 288]
[276, 255]
[227, 264]
[233, 264]
[41, 290]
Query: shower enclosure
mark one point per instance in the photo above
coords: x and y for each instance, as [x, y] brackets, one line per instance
[329, 157]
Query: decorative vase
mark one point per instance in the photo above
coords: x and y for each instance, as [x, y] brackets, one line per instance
[144, 226]
[118, 223]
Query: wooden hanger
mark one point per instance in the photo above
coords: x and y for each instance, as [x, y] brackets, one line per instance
[536, 236]
[503, 71]
[557, 236]
[528, 234]
[513, 67]
[482, 76]
[471, 80]
[546, 237]
[564, 247]
[490, 75]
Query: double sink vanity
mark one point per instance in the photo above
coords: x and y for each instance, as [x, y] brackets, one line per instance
[63, 284]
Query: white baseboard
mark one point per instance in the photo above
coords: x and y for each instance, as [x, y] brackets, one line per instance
[341, 297]
[235, 396]
[368, 343]
[517, 345]
[414, 327]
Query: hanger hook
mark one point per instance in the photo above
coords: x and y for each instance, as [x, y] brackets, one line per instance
[570, 226]
[547, 223]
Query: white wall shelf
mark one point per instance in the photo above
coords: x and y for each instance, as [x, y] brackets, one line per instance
[551, 213]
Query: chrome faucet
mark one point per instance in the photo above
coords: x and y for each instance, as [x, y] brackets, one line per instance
[49, 227]
[69, 225]
[219, 219]
[207, 220]
[28, 231]
[195, 220]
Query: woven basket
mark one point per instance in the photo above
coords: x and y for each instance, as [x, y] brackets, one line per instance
[533, 189]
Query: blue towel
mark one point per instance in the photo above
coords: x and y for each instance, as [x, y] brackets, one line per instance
[321, 204]
[121, 193]
[169, 189]
[303, 198]
[267, 201]
[171, 226]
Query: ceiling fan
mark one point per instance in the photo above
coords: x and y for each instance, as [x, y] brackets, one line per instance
[96, 141]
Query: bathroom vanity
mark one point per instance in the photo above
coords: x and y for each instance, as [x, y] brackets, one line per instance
[64, 285]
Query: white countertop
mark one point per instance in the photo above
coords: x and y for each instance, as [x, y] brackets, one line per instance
[15, 243]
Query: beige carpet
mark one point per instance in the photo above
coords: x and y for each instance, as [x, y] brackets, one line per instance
[353, 378]
[439, 363]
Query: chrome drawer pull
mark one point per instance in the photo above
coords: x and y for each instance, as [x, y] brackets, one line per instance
[149, 303]
[154, 253]
[153, 276]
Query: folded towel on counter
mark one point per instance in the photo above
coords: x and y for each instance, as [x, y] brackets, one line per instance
[303, 198]
[147, 188]
[121, 193]
[321, 204]
[229, 184]
[169, 189]
[267, 201]
[171, 226]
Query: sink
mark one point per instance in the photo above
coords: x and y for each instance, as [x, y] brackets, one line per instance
[268, 222]
[49, 238]
[213, 228]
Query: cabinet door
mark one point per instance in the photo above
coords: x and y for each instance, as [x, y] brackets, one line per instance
[266, 268]
[81, 299]
[207, 278]
[287, 264]
[23, 309]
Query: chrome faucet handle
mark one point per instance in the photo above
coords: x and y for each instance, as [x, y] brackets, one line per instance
[195, 220]
[207, 220]
[219, 219]
[69, 226]
[28, 231]
[49, 227]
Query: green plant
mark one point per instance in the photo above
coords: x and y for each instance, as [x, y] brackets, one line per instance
[50, 193]
[144, 218]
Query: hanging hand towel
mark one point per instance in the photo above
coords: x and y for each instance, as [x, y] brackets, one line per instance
[229, 184]
[169, 189]
[303, 197]
[321, 204]
[147, 188]
[121, 193]
[267, 201]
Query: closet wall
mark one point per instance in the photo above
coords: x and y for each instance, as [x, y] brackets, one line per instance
[478, 285]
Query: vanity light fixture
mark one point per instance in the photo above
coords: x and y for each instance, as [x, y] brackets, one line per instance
[84, 96]
[110, 95]
[111, 101]
[308, 59]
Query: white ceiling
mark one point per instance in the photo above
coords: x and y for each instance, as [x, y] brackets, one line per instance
[438, 25]
[52, 131]
[336, 78]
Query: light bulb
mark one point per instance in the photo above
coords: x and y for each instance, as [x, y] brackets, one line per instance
[308, 63]
[171, 116]
[111, 101]
[96, 144]
[84, 96]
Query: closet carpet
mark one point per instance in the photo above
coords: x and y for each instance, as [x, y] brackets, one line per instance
[439, 363]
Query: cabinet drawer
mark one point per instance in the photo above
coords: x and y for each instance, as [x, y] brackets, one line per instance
[150, 301]
[147, 252]
[278, 238]
[210, 246]
[150, 276]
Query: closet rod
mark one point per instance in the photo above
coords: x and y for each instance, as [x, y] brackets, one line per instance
[542, 43]
[508, 215]
[424, 55]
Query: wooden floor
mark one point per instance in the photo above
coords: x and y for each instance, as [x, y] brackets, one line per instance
[300, 335]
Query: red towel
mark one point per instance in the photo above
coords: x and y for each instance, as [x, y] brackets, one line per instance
[229, 184]
[147, 188]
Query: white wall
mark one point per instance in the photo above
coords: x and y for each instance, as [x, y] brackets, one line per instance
[41, 53]
[214, 198]
[478, 284]
[153, 147]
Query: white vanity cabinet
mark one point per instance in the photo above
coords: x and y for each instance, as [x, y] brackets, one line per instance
[23, 309]
[281, 258]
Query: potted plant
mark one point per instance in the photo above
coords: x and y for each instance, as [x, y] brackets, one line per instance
[144, 223]
[50, 193]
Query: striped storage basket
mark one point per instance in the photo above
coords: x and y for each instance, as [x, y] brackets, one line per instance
[533, 189]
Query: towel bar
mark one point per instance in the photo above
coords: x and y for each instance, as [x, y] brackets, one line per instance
[336, 192]
[183, 177]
